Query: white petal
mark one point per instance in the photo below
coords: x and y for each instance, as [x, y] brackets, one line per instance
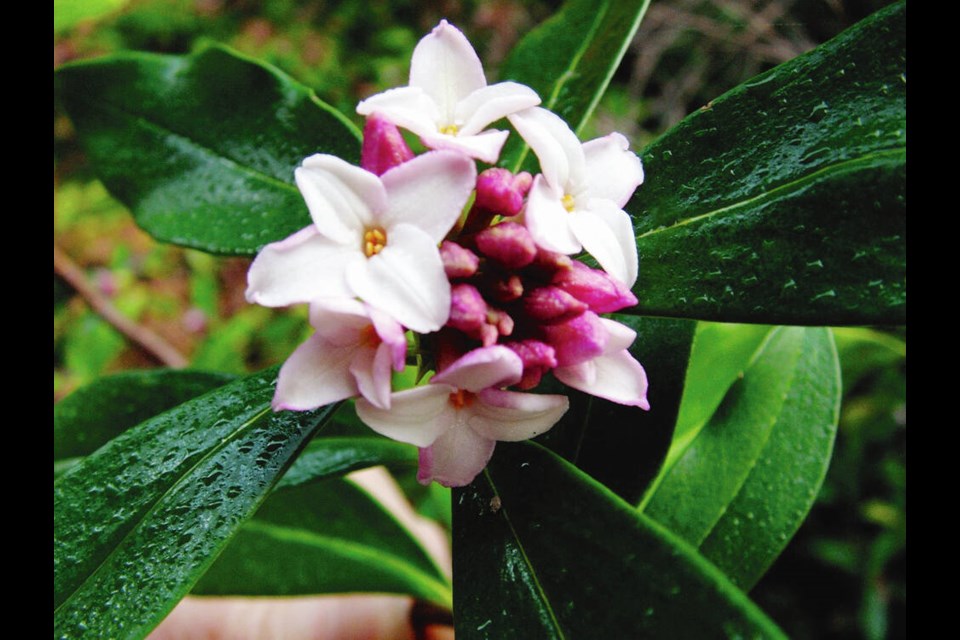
[613, 171]
[339, 321]
[393, 337]
[405, 280]
[617, 377]
[301, 268]
[606, 231]
[371, 370]
[417, 416]
[456, 457]
[489, 104]
[621, 336]
[315, 374]
[446, 67]
[548, 220]
[406, 107]
[484, 146]
[429, 192]
[343, 199]
[512, 416]
[495, 366]
[556, 145]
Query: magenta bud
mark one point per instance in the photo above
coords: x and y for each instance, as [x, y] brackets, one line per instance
[551, 304]
[505, 290]
[597, 288]
[578, 340]
[548, 263]
[468, 311]
[383, 146]
[537, 357]
[508, 243]
[501, 320]
[502, 192]
[457, 261]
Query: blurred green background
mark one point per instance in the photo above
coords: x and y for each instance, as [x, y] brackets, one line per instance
[843, 576]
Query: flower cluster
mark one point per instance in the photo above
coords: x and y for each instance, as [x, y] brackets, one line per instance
[490, 301]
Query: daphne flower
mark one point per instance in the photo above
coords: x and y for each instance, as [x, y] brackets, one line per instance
[352, 352]
[372, 237]
[448, 102]
[577, 202]
[459, 416]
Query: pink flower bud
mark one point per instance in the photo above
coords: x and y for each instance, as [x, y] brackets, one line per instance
[578, 340]
[538, 358]
[468, 311]
[547, 263]
[457, 261]
[508, 243]
[383, 146]
[600, 290]
[505, 289]
[550, 304]
[501, 192]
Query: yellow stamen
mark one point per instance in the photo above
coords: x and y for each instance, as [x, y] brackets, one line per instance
[374, 240]
[450, 130]
[567, 202]
[460, 399]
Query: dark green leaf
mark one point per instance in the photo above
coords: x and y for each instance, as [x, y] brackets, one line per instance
[569, 59]
[784, 201]
[740, 489]
[89, 417]
[562, 557]
[202, 148]
[623, 447]
[137, 522]
[326, 457]
[324, 537]
[863, 351]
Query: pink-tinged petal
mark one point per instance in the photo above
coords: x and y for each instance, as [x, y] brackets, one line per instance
[339, 321]
[617, 377]
[548, 220]
[371, 370]
[343, 199]
[407, 107]
[620, 336]
[301, 268]
[494, 366]
[429, 192]
[511, 416]
[391, 332]
[446, 67]
[578, 340]
[315, 374]
[556, 145]
[405, 280]
[613, 171]
[607, 233]
[483, 146]
[383, 145]
[489, 104]
[416, 416]
[456, 457]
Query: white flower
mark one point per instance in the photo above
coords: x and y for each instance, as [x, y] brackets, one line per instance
[577, 202]
[448, 102]
[372, 237]
[352, 352]
[459, 416]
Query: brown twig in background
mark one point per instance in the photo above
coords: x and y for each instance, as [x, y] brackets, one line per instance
[146, 339]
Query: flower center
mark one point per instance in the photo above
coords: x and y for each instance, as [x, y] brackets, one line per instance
[460, 399]
[369, 337]
[449, 130]
[567, 202]
[374, 240]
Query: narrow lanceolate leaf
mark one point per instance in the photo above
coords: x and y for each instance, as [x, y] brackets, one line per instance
[324, 537]
[543, 551]
[570, 58]
[623, 447]
[202, 148]
[138, 521]
[783, 201]
[740, 489]
[327, 457]
[93, 415]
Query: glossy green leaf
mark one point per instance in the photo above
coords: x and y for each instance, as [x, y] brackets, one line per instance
[137, 522]
[740, 489]
[570, 58]
[557, 555]
[623, 447]
[783, 201]
[202, 148]
[326, 457]
[91, 416]
[324, 537]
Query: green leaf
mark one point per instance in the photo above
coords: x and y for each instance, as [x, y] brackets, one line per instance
[93, 415]
[740, 489]
[324, 537]
[863, 351]
[67, 13]
[202, 148]
[784, 202]
[326, 457]
[623, 447]
[562, 557]
[137, 522]
[570, 58]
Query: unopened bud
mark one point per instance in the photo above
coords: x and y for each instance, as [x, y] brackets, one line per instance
[601, 291]
[551, 304]
[457, 261]
[468, 311]
[508, 243]
[383, 146]
[578, 340]
[501, 192]
[537, 357]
